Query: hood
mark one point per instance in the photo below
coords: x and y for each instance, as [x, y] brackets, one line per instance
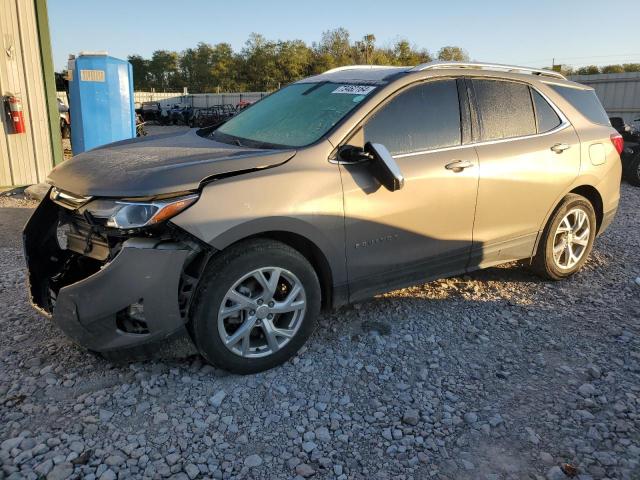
[157, 165]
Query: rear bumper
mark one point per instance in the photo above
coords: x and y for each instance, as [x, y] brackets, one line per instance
[91, 303]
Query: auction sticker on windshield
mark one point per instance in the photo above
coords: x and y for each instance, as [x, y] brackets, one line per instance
[354, 89]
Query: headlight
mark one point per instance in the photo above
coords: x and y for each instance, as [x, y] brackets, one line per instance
[128, 214]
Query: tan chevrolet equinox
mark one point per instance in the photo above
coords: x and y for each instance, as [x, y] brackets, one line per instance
[333, 189]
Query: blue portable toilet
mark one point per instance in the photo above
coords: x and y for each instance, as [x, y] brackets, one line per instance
[100, 101]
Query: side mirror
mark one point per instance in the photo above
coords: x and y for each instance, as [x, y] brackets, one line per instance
[384, 167]
[351, 154]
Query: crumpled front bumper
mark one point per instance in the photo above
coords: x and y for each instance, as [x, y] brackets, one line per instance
[144, 271]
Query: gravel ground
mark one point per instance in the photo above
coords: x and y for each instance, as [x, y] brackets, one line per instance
[494, 375]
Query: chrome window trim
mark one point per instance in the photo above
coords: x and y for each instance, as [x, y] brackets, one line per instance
[564, 123]
[560, 127]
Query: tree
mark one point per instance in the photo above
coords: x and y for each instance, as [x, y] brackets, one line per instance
[140, 67]
[336, 44]
[259, 65]
[208, 68]
[631, 67]
[293, 59]
[364, 49]
[265, 64]
[455, 54]
[613, 69]
[163, 71]
[195, 67]
[403, 53]
[588, 70]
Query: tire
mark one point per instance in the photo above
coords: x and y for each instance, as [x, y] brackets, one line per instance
[633, 170]
[236, 271]
[553, 267]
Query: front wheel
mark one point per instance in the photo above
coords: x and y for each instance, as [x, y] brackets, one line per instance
[256, 306]
[567, 239]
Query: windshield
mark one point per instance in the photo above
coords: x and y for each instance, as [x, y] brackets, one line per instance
[295, 116]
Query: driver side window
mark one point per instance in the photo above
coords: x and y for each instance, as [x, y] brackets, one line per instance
[424, 117]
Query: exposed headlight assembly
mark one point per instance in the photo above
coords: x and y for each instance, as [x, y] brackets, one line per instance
[129, 214]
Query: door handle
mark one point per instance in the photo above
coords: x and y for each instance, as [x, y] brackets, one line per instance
[458, 165]
[560, 147]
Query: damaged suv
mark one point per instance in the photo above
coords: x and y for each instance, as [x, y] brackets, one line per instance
[331, 190]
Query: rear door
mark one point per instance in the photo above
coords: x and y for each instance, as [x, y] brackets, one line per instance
[528, 155]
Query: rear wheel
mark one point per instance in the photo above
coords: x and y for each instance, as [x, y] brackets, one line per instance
[567, 239]
[257, 305]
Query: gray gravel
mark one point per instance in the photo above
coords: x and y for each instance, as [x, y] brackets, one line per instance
[494, 375]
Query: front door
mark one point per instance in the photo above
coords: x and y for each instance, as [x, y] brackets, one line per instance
[424, 230]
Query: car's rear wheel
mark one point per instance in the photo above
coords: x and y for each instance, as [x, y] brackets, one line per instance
[567, 239]
[256, 306]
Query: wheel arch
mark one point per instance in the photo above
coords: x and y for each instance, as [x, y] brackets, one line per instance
[591, 193]
[327, 262]
[587, 191]
[312, 253]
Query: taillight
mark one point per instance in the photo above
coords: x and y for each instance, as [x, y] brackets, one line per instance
[618, 142]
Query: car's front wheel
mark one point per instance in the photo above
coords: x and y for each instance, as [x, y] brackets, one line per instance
[256, 306]
[567, 239]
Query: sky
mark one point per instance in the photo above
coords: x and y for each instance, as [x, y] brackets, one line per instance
[514, 32]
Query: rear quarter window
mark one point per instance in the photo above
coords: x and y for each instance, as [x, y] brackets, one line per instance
[585, 101]
[546, 116]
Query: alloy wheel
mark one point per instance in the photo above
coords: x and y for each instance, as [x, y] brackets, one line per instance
[571, 238]
[261, 312]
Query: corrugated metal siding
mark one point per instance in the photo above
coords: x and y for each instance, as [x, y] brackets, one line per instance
[24, 158]
[618, 92]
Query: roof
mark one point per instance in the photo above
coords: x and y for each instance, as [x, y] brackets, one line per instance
[381, 73]
[357, 73]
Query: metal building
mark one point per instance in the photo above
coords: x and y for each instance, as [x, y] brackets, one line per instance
[618, 92]
[26, 73]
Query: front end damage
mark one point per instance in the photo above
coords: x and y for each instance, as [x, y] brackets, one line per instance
[120, 293]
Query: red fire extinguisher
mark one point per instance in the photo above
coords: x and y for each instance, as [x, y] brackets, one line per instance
[15, 112]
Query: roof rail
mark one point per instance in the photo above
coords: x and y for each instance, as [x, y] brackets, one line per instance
[486, 66]
[358, 67]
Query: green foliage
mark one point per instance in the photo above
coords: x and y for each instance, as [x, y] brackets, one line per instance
[140, 68]
[455, 54]
[264, 64]
[592, 69]
[613, 69]
[588, 70]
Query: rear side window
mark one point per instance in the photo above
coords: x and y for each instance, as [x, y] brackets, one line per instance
[505, 109]
[546, 116]
[585, 101]
[424, 117]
